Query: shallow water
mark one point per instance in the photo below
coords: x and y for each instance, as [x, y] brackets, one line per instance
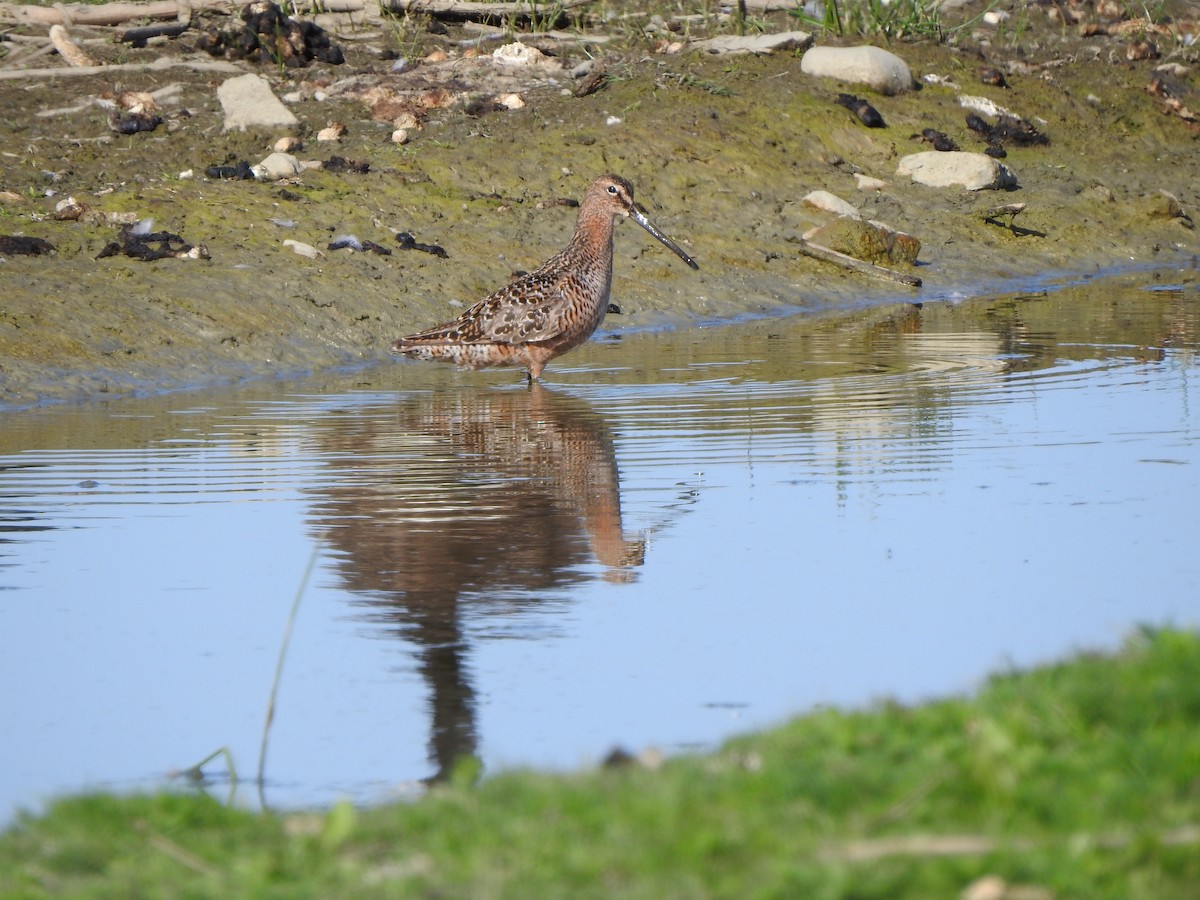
[682, 536]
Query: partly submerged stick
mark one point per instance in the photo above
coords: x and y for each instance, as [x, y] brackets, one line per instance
[816, 251]
[283, 648]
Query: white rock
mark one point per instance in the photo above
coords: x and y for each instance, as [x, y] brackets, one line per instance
[511, 101]
[872, 66]
[973, 171]
[303, 249]
[288, 144]
[995, 16]
[249, 103]
[944, 81]
[867, 183]
[984, 106]
[518, 54]
[756, 43]
[276, 166]
[830, 203]
[400, 136]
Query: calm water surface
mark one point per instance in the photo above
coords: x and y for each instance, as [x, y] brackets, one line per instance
[681, 536]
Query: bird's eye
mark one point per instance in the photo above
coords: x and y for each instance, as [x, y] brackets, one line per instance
[612, 189]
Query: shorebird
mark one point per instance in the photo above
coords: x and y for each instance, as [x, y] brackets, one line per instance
[554, 308]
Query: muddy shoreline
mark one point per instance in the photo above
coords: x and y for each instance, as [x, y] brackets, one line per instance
[721, 150]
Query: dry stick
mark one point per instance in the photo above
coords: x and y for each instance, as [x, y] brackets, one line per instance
[165, 845]
[949, 845]
[109, 13]
[199, 65]
[766, 6]
[816, 251]
[283, 648]
[179, 10]
[458, 10]
[27, 54]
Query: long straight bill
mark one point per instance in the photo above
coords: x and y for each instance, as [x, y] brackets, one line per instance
[640, 217]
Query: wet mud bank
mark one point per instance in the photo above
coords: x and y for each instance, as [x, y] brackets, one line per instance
[721, 150]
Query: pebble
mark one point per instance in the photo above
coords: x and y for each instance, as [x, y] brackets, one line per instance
[335, 131]
[400, 136]
[830, 203]
[303, 249]
[407, 120]
[277, 166]
[248, 102]
[872, 66]
[867, 183]
[518, 54]
[288, 144]
[973, 171]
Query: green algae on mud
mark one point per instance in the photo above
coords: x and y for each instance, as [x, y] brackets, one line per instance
[723, 171]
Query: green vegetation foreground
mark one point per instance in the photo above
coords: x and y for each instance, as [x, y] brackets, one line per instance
[1077, 780]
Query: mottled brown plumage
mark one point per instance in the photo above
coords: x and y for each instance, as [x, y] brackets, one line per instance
[554, 308]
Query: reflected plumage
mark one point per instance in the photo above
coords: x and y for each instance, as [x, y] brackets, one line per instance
[554, 308]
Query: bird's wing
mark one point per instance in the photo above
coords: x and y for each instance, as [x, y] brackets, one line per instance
[529, 309]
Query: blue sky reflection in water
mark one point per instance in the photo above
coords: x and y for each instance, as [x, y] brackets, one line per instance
[684, 536]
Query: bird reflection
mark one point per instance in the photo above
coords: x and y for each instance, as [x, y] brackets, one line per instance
[460, 505]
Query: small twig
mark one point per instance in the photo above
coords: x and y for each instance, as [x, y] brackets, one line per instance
[190, 860]
[816, 251]
[283, 649]
[920, 845]
[27, 54]
[199, 65]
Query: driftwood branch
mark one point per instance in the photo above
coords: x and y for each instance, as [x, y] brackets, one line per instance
[109, 13]
[139, 36]
[463, 11]
[200, 65]
[68, 49]
[816, 251]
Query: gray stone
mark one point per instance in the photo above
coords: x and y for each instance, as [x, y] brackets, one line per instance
[248, 102]
[756, 43]
[830, 203]
[872, 66]
[973, 171]
[276, 166]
